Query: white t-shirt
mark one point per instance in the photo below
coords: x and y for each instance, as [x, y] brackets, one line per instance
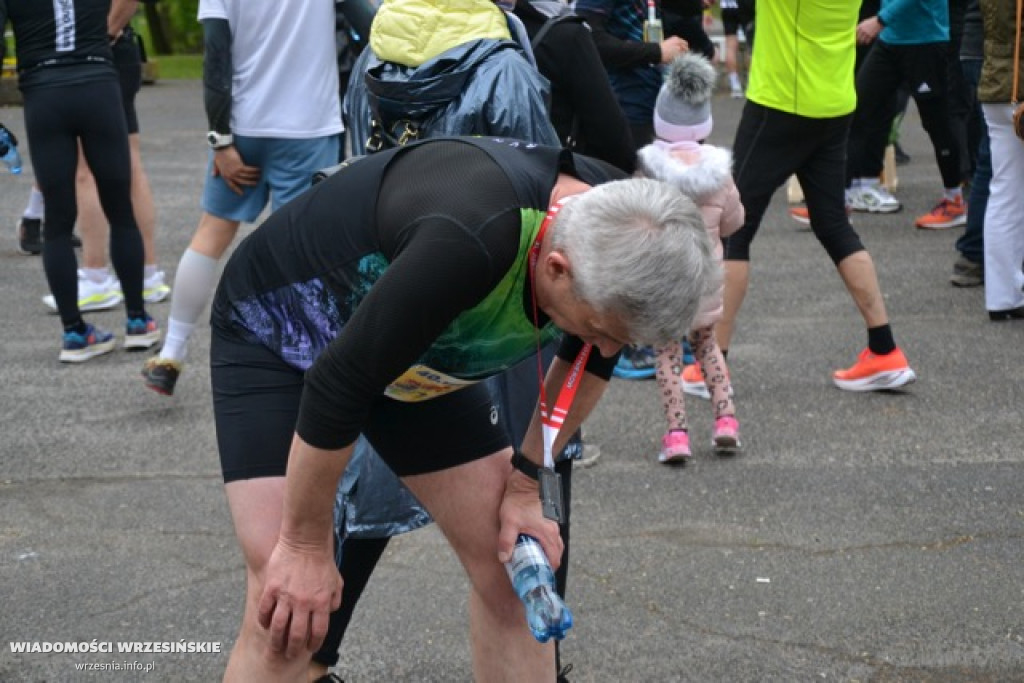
[285, 82]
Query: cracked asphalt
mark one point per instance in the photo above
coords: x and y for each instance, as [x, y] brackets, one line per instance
[857, 537]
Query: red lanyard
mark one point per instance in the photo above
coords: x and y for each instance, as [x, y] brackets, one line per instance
[551, 421]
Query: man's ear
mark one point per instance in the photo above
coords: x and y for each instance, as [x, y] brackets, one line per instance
[557, 265]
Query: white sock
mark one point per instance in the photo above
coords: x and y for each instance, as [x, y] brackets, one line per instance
[952, 193]
[176, 339]
[149, 270]
[36, 206]
[194, 281]
[870, 182]
[96, 275]
[734, 80]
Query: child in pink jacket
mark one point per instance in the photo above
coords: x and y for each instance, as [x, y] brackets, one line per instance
[682, 118]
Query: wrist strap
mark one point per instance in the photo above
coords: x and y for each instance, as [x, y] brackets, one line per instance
[526, 466]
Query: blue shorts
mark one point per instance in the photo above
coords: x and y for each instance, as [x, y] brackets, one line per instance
[286, 166]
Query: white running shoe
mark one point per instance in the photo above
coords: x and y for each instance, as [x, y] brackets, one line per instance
[872, 199]
[92, 296]
[154, 289]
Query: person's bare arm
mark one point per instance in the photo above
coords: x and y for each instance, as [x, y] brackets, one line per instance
[121, 12]
[520, 508]
[302, 585]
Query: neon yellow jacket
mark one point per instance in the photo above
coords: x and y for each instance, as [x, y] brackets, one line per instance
[410, 32]
[803, 57]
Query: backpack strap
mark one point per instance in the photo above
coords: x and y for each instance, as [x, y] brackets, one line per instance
[549, 24]
[542, 33]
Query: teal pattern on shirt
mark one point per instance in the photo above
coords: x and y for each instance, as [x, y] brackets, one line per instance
[301, 319]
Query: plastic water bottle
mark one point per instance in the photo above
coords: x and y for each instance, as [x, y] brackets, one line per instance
[534, 583]
[9, 150]
[653, 32]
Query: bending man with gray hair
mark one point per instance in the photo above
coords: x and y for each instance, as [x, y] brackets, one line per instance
[375, 303]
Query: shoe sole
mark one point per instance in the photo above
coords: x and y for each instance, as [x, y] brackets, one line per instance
[698, 390]
[942, 226]
[725, 445]
[29, 252]
[882, 381]
[82, 355]
[163, 391]
[156, 295]
[876, 209]
[633, 374]
[673, 458]
[958, 281]
[85, 306]
[140, 342]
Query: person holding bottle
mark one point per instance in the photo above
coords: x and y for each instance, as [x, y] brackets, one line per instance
[377, 304]
[629, 39]
[71, 94]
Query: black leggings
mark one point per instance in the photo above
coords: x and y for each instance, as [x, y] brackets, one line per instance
[923, 71]
[770, 146]
[56, 119]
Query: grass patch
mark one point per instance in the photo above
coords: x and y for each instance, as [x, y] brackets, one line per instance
[179, 67]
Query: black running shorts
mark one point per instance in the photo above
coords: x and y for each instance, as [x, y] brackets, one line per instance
[256, 399]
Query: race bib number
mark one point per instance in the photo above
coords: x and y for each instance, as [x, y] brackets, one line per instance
[420, 383]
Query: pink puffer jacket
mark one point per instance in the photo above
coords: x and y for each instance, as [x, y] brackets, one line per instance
[704, 174]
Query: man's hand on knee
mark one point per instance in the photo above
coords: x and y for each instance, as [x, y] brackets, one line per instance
[301, 589]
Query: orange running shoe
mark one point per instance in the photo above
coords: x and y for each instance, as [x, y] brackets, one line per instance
[802, 216]
[693, 382]
[947, 214]
[875, 373]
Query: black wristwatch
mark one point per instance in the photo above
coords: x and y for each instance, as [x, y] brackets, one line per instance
[526, 466]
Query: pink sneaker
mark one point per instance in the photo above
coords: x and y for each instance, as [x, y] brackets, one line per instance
[675, 447]
[726, 436]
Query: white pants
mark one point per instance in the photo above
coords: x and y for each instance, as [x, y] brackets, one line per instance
[1004, 217]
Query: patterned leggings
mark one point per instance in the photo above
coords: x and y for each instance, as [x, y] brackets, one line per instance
[716, 377]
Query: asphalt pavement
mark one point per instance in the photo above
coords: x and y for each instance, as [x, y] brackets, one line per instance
[856, 537]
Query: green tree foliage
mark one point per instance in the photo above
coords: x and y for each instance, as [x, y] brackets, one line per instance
[172, 27]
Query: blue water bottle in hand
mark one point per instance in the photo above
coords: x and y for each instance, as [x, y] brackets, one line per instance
[534, 583]
[9, 150]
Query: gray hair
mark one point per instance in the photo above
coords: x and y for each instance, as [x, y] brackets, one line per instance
[639, 250]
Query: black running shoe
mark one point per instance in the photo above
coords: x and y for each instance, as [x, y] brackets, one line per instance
[30, 236]
[161, 374]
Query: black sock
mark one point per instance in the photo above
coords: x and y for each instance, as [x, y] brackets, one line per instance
[880, 341]
[77, 328]
[725, 353]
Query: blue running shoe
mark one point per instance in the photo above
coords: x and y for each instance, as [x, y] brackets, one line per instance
[688, 357]
[79, 348]
[635, 362]
[141, 333]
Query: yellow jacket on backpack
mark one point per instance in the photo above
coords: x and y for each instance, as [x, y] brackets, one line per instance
[410, 32]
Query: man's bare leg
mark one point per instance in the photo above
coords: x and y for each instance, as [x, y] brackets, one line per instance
[92, 223]
[464, 502]
[256, 506]
[858, 273]
[737, 277]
